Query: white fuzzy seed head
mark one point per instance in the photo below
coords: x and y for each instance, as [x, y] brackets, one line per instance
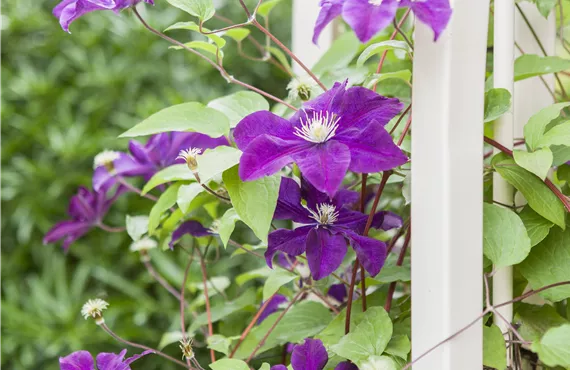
[301, 88]
[325, 214]
[105, 158]
[143, 244]
[94, 308]
[319, 128]
[189, 155]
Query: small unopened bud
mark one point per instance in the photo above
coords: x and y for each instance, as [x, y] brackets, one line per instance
[143, 246]
[301, 88]
[94, 308]
[105, 158]
[189, 155]
[186, 348]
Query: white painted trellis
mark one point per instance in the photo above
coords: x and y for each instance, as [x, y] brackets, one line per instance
[447, 166]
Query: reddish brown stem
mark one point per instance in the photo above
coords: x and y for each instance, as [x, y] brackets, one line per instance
[565, 201]
[325, 300]
[400, 119]
[251, 325]
[350, 294]
[262, 341]
[207, 298]
[399, 262]
[405, 131]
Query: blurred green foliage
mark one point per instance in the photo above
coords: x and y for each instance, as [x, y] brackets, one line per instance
[64, 99]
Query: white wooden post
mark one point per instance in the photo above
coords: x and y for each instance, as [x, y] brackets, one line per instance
[447, 167]
[304, 16]
[503, 192]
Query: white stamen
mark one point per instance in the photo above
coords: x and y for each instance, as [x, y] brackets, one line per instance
[319, 128]
[105, 158]
[375, 2]
[94, 308]
[326, 214]
[143, 244]
[189, 153]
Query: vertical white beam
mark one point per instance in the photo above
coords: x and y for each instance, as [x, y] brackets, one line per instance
[531, 95]
[503, 75]
[304, 16]
[447, 191]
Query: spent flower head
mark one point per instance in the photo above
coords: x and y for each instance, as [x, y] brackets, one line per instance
[301, 88]
[186, 348]
[106, 158]
[189, 155]
[94, 308]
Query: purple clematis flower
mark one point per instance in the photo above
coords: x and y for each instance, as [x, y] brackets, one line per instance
[87, 209]
[69, 10]
[346, 365]
[310, 355]
[160, 151]
[82, 360]
[272, 307]
[191, 227]
[327, 228]
[341, 130]
[368, 17]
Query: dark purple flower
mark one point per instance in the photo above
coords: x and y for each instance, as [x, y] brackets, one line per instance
[368, 17]
[346, 365]
[191, 227]
[87, 209]
[69, 10]
[338, 292]
[327, 228]
[278, 367]
[160, 151]
[310, 355]
[342, 129]
[272, 307]
[82, 360]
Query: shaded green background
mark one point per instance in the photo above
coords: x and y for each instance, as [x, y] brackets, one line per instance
[64, 99]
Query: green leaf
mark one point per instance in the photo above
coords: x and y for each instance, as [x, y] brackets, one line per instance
[554, 347]
[237, 106]
[399, 346]
[505, 241]
[215, 50]
[277, 278]
[545, 6]
[254, 201]
[530, 65]
[203, 9]
[558, 135]
[229, 364]
[537, 162]
[281, 57]
[391, 273]
[213, 162]
[265, 366]
[339, 55]
[537, 227]
[183, 117]
[404, 75]
[369, 338]
[238, 34]
[227, 225]
[536, 320]
[497, 103]
[303, 320]
[219, 343]
[177, 172]
[549, 263]
[381, 47]
[537, 194]
[169, 338]
[379, 363]
[561, 154]
[186, 194]
[137, 226]
[261, 272]
[266, 7]
[494, 348]
[224, 309]
[563, 173]
[534, 129]
[191, 26]
[166, 200]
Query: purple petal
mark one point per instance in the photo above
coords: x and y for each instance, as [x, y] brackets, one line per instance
[289, 203]
[372, 149]
[352, 220]
[111, 361]
[346, 198]
[260, 123]
[367, 19]
[324, 165]
[70, 230]
[125, 166]
[81, 205]
[386, 220]
[185, 140]
[291, 242]
[359, 106]
[68, 11]
[272, 307]
[325, 252]
[327, 101]
[267, 155]
[80, 360]
[435, 13]
[191, 227]
[139, 152]
[346, 365]
[338, 292]
[330, 9]
[278, 367]
[133, 358]
[370, 252]
[311, 355]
